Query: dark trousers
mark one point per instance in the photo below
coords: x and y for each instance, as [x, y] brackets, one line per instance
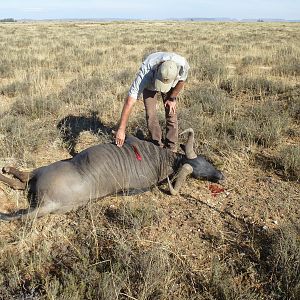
[150, 102]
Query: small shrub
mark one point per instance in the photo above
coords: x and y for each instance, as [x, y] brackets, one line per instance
[125, 77]
[48, 74]
[292, 102]
[263, 125]
[208, 100]
[250, 60]
[287, 61]
[289, 159]
[204, 66]
[16, 88]
[129, 215]
[36, 107]
[259, 87]
[6, 69]
[284, 262]
[81, 89]
[224, 282]
[290, 67]
[22, 136]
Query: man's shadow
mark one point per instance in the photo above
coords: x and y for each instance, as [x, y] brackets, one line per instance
[71, 126]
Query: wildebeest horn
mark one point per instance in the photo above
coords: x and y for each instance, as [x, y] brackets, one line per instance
[189, 146]
[185, 170]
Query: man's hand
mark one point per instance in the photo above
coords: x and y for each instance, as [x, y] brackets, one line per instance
[120, 137]
[172, 106]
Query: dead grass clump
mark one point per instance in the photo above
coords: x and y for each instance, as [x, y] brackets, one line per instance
[258, 87]
[250, 60]
[48, 74]
[124, 78]
[94, 261]
[292, 102]
[215, 114]
[34, 108]
[16, 88]
[64, 63]
[290, 67]
[81, 89]
[6, 69]
[284, 263]
[268, 265]
[206, 100]
[264, 125]
[225, 282]
[289, 159]
[287, 61]
[22, 137]
[148, 274]
[214, 110]
[131, 215]
[206, 65]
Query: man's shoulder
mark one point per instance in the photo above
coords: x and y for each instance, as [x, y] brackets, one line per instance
[154, 57]
[157, 57]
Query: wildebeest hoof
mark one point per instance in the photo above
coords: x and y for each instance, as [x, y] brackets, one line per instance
[5, 170]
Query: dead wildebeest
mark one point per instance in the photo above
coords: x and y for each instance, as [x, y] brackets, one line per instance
[103, 170]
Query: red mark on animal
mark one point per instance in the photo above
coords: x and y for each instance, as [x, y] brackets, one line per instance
[137, 154]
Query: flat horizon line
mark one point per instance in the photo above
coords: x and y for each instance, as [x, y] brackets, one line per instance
[224, 19]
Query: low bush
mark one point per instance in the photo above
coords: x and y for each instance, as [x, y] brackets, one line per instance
[287, 61]
[264, 125]
[206, 65]
[289, 159]
[6, 69]
[16, 88]
[36, 107]
[256, 87]
[284, 263]
[22, 136]
[80, 90]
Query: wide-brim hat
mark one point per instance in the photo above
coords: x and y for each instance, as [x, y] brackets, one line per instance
[165, 75]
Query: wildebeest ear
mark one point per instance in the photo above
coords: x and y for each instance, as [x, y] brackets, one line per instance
[182, 147]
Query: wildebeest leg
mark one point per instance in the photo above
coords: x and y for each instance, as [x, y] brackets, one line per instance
[29, 213]
[23, 176]
[15, 184]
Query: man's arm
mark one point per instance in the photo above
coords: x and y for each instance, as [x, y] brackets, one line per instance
[127, 108]
[178, 87]
[172, 103]
[134, 91]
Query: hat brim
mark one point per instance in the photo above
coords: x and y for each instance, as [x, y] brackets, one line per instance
[162, 86]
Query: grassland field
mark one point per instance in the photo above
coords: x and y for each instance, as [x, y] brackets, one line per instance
[62, 88]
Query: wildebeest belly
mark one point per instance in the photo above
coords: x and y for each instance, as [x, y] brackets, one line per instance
[108, 169]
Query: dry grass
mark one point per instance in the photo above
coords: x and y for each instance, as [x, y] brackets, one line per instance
[62, 87]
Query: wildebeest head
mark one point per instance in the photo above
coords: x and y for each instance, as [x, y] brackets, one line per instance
[196, 165]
